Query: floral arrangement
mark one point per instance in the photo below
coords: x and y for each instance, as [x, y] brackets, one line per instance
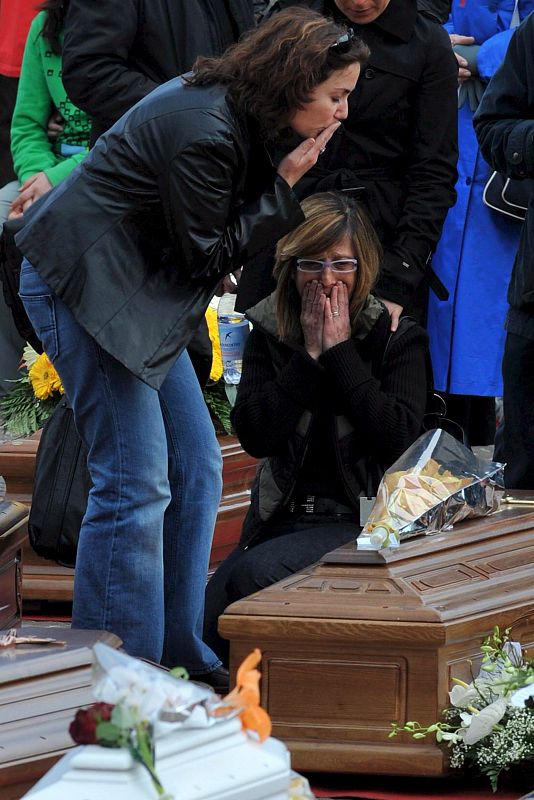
[33, 397]
[118, 725]
[215, 392]
[37, 392]
[490, 723]
[137, 703]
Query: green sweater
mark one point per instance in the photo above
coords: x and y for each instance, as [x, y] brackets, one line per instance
[40, 91]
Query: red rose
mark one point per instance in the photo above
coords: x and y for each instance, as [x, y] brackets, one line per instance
[83, 727]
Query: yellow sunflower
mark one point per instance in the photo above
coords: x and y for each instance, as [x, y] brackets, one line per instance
[44, 378]
[216, 363]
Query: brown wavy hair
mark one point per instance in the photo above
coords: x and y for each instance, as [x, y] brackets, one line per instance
[330, 216]
[272, 71]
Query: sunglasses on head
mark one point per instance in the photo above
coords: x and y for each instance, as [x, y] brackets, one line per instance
[344, 42]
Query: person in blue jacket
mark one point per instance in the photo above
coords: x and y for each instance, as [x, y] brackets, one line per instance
[475, 255]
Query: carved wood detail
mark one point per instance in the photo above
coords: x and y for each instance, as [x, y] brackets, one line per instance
[353, 643]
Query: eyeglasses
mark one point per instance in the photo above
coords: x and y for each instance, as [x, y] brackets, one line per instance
[344, 42]
[339, 266]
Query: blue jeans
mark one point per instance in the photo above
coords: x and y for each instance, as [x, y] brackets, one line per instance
[155, 464]
[285, 546]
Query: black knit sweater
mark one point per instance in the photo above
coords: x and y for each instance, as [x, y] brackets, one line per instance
[384, 399]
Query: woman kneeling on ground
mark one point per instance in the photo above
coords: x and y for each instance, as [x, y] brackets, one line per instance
[321, 401]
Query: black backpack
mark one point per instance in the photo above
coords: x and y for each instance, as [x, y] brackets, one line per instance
[10, 263]
[61, 488]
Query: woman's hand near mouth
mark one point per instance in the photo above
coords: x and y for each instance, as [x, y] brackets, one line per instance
[304, 157]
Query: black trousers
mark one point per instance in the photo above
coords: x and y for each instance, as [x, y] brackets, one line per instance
[287, 547]
[515, 442]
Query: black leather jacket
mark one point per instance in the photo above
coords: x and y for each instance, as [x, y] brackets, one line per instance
[181, 169]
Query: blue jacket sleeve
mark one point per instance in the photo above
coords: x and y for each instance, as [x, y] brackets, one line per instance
[491, 54]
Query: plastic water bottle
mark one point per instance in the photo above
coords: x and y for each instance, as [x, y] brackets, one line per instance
[233, 332]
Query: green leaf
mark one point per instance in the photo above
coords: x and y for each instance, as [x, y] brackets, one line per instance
[180, 672]
[21, 414]
[218, 405]
[122, 717]
[108, 732]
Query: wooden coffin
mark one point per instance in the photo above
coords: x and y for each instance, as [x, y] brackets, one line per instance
[361, 640]
[45, 580]
[41, 688]
[17, 467]
[13, 533]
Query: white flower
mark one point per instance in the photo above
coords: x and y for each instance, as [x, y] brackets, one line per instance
[466, 719]
[146, 700]
[482, 723]
[518, 698]
[145, 694]
[29, 355]
[463, 696]
[453, 736]
[140, 689]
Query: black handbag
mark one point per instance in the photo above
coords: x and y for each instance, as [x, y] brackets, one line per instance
[10, 263]
[508, 196]
[61, 488]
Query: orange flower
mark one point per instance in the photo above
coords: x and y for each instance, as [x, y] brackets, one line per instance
[246, 698]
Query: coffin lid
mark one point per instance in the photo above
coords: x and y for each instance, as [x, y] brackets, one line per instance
[481, 565]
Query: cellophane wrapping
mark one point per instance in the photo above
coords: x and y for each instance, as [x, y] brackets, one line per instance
[437, 482]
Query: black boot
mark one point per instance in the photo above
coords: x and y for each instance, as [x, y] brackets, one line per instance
[218, 679]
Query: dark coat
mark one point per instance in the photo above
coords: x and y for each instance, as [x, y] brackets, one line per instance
[117, 51]
[439, 9]
[182, 170]
[371, 405]
[399, 143]
[504, 125]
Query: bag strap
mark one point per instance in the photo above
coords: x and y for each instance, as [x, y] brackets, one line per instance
[494, 196]
[435, 415]
[405, 324]
[10, 264]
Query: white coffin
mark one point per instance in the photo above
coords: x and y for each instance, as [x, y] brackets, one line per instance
[216, 763]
